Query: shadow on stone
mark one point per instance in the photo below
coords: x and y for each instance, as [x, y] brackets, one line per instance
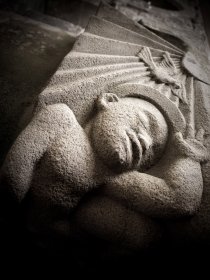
[30, 54]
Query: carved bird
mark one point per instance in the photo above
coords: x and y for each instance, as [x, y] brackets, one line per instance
[164, 72]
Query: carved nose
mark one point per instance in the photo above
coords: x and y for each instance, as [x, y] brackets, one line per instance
[119, 157]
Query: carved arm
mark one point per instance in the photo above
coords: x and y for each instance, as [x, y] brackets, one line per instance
[17, 171]
[173, 188]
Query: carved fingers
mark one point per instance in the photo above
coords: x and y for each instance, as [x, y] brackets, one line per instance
[138, 144]
[200, 135]
[134, 148]
[190, 132]
[192, 145]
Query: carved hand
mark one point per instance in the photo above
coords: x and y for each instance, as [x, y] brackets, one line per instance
[192, 146]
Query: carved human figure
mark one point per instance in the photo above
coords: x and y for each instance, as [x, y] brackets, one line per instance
[127, 150]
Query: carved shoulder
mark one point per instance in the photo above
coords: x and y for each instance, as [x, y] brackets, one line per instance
[57, 115]
[31, 144]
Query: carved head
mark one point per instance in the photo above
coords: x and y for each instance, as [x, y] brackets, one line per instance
[128, 133]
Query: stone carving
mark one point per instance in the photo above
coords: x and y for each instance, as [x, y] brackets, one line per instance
[113, 144]
[183, 26]
[164, 72]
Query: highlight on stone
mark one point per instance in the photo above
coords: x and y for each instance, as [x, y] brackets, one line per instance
[118, 143]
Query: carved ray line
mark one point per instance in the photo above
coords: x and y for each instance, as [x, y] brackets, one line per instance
[66, 76]
[118, 18]
[101, 79]
[146, 80]
[103, 28]
[77, 60]
[90, 43]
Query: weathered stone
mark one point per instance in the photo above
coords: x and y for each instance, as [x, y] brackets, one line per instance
[183, 25]
[117, 146]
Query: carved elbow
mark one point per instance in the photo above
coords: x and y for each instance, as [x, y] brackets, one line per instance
[189, 210]
[188, 198]
[189, 207]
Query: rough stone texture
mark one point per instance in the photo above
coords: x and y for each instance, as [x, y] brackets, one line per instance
[117, 147]
[185, 24]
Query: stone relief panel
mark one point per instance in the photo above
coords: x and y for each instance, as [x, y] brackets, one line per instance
[115, 146]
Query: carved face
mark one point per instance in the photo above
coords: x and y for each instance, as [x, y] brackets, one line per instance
[128, 133]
